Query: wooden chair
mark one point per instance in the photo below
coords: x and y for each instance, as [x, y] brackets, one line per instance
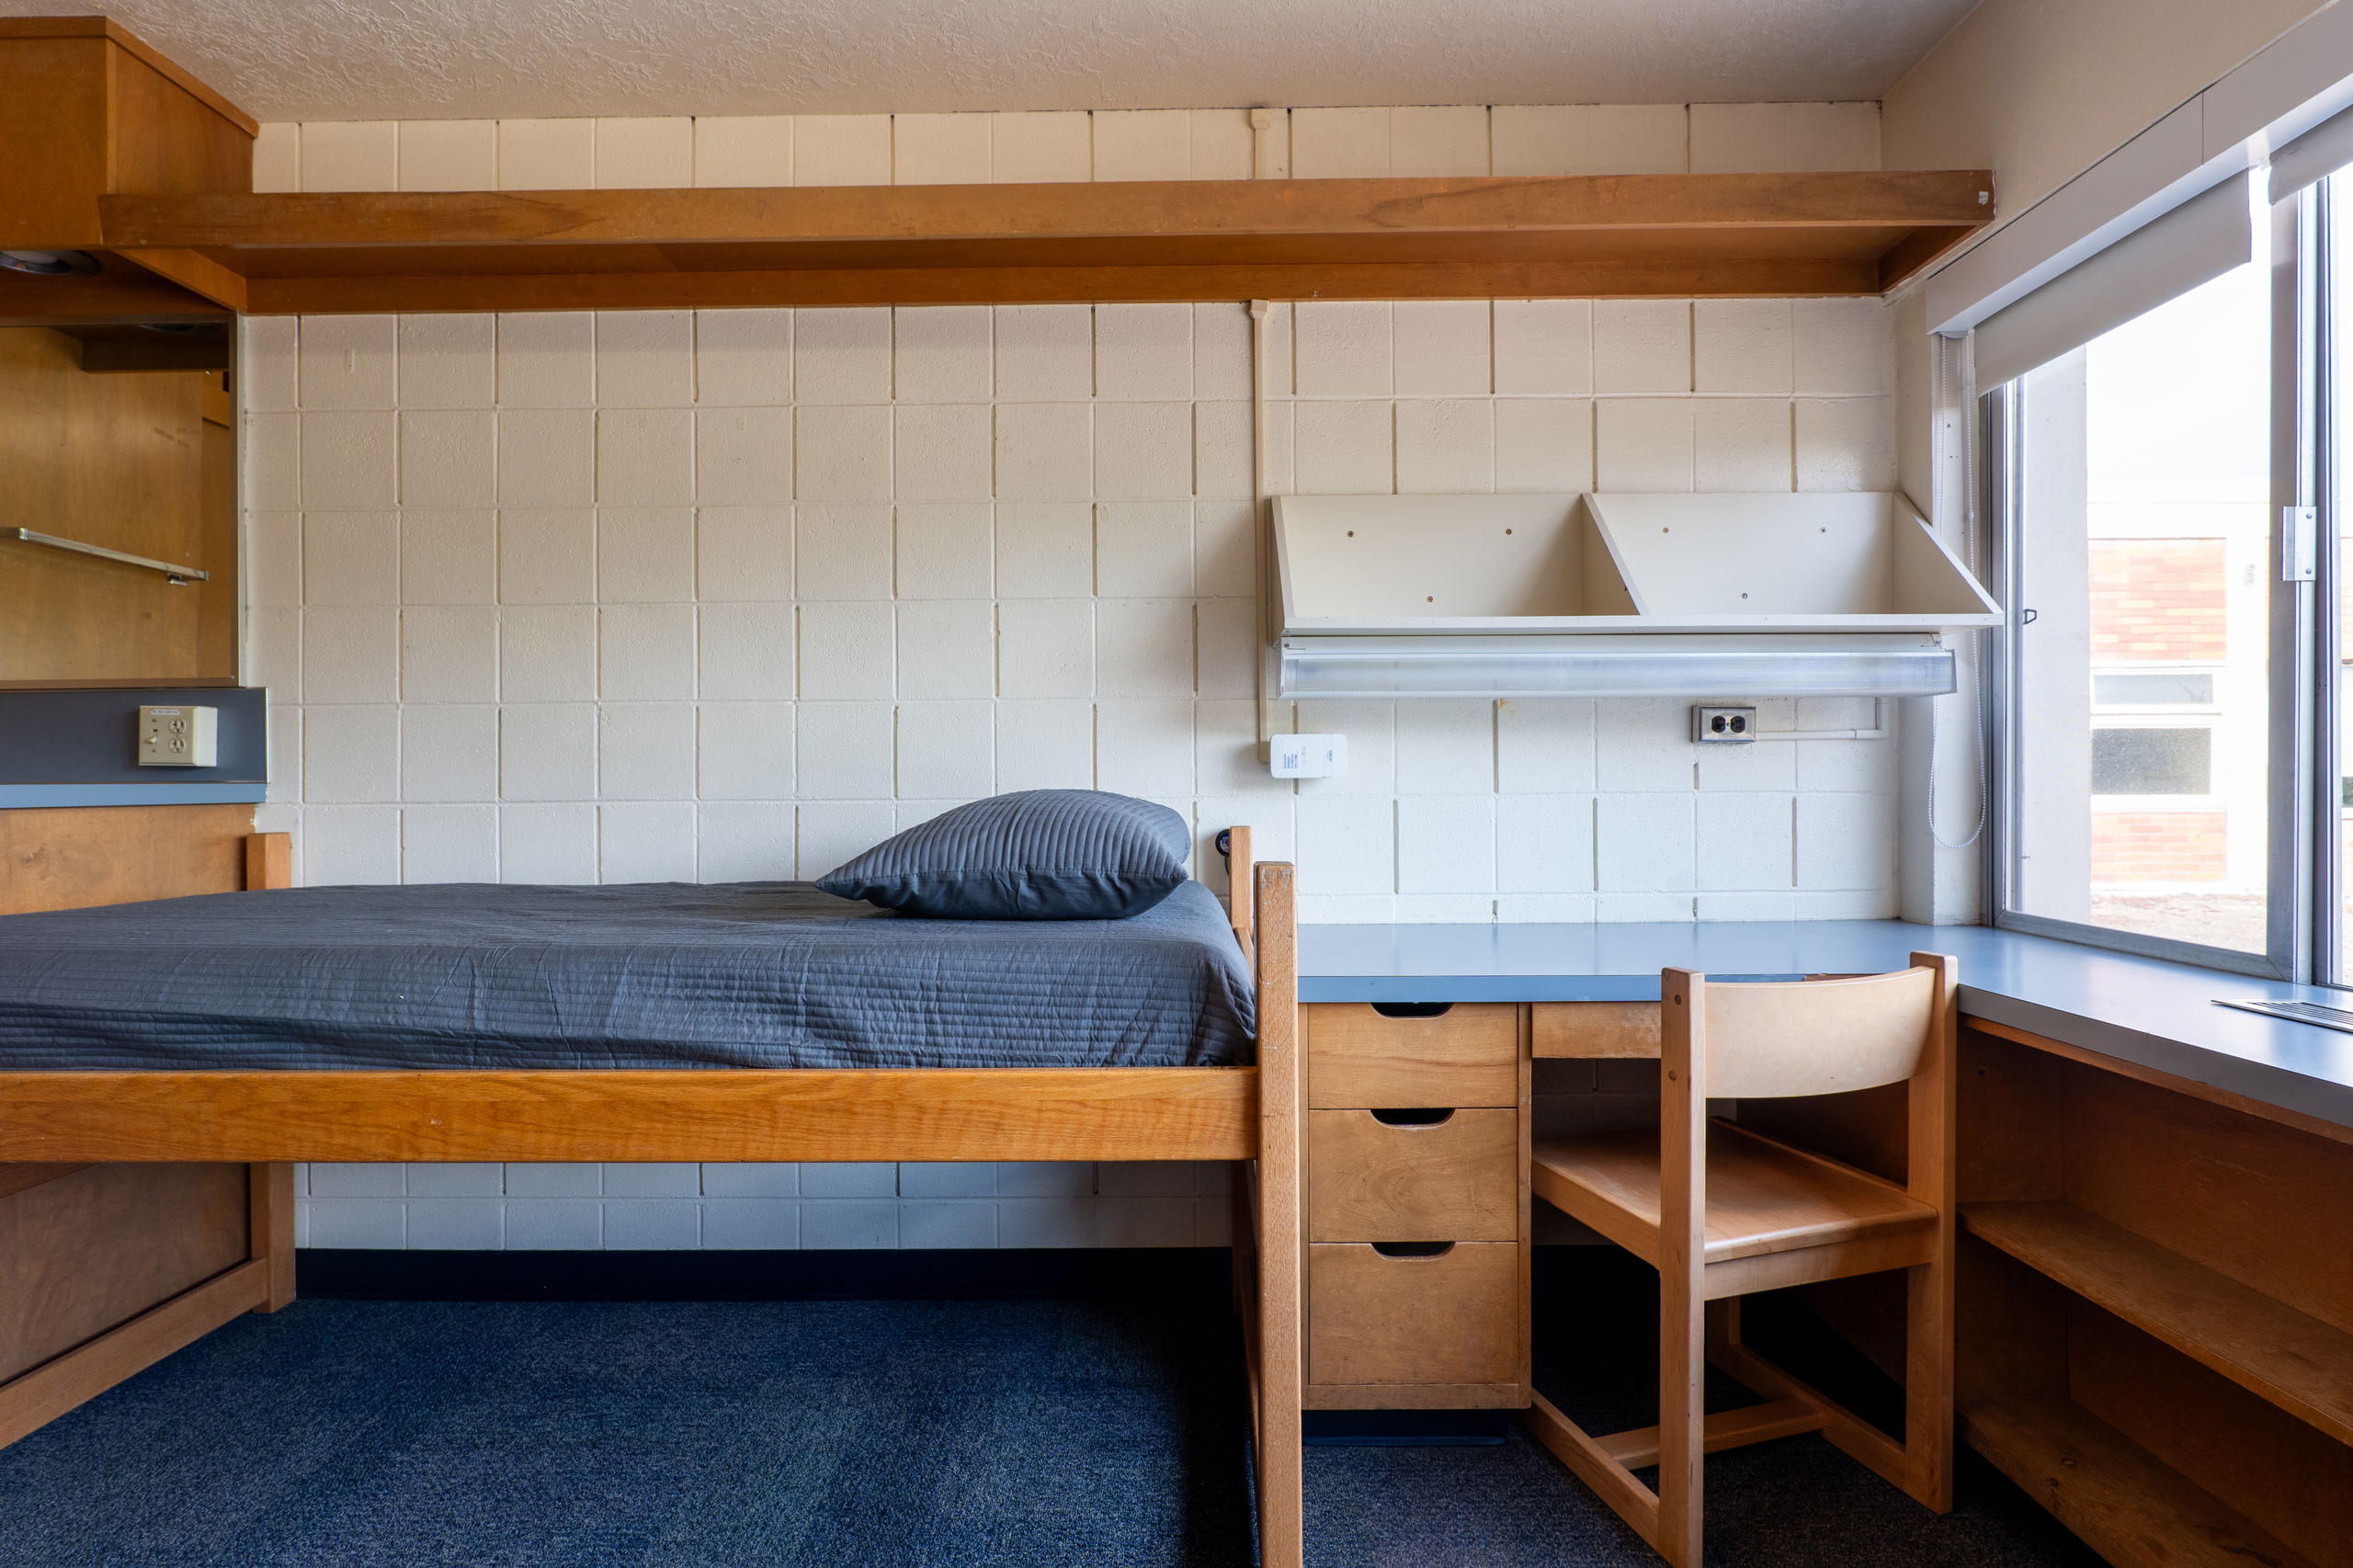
[1720, 1211]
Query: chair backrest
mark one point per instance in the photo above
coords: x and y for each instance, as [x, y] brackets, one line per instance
[1815, 1037]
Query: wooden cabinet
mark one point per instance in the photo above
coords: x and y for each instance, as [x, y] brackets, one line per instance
[1417, 1206]
[118, 437]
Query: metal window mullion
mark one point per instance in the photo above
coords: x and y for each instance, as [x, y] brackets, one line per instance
[2325, 892]
[1997, 470]
[2294, 883]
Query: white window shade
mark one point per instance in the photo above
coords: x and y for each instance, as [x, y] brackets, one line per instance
[2314, 156]
[2195, 243]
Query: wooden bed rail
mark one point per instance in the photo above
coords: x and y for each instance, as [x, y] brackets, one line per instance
[783, 1114]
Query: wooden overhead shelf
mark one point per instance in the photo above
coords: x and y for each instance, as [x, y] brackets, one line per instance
[1617, 235]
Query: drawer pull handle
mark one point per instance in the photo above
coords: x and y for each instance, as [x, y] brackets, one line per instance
[1415, 1115]
[1413, 1249]
[1413, 1009]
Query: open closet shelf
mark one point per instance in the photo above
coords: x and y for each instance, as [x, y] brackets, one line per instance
[2128, 1504]
[2296, 1361]
[1675, 235]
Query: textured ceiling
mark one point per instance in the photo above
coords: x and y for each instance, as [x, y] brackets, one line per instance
[460, 59]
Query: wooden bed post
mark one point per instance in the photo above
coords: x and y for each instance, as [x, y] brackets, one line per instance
[1281, 1257]
[1241, 913]
[269, 860]
[269, 1230]
[1241, 889]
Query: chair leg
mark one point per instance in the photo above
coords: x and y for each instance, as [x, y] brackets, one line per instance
[1928, 1385]
[1682, 1420]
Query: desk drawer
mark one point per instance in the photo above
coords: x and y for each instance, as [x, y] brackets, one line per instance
[1373, 1181]
[1467, 1055]
[1595, 1029]
[1451, 1319]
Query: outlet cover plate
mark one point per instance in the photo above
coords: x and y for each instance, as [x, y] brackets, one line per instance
[1723, 726]
[180, 737]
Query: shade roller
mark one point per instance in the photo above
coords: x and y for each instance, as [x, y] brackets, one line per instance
[2314, 156]
[2194, 244]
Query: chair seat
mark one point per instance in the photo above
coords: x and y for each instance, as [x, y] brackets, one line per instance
[1763, 1196]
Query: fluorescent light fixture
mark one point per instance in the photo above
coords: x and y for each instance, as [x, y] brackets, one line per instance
[1656, 665]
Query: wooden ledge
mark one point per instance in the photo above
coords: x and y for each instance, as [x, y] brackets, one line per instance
[1550, 236]
[1142, 208]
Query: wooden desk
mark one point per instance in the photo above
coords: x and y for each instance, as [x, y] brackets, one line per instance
[2156, 1276]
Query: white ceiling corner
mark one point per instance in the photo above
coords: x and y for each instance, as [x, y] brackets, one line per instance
[468, 59]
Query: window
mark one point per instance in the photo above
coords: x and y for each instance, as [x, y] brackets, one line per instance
[2138, 483]
[2174, 727]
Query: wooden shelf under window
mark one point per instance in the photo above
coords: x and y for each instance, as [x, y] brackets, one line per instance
[2294, 1360]
[1675, 235]
[2127, 1505]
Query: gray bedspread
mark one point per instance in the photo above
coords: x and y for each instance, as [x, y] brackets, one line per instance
[745, 974]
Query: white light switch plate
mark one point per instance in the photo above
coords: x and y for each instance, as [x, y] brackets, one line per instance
[180, 737]
[1308, 757]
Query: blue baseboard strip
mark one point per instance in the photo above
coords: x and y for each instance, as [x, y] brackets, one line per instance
[21, 795]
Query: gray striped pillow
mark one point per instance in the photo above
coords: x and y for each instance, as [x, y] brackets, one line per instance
[1037, 855]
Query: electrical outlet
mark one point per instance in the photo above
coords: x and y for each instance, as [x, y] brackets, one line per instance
[1723, 726]
[180, 737]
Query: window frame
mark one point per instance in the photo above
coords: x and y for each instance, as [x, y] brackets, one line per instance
[2301, 917]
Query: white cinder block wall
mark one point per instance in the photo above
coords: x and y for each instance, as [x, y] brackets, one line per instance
[732, 594]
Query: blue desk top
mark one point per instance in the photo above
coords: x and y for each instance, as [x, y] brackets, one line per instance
[2147, 1011]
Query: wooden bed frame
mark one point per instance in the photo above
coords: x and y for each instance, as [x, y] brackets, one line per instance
[268, 1120]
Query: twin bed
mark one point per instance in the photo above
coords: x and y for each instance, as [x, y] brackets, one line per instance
[746, 1022]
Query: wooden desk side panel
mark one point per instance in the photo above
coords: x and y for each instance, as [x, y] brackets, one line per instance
[91, 1249]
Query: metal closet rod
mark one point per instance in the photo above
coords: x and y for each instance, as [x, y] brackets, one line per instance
[176, 573]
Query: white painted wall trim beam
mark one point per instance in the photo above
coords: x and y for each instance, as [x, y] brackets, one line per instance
[2301, 79]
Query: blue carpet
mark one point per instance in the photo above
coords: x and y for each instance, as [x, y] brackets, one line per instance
[967, 1434]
